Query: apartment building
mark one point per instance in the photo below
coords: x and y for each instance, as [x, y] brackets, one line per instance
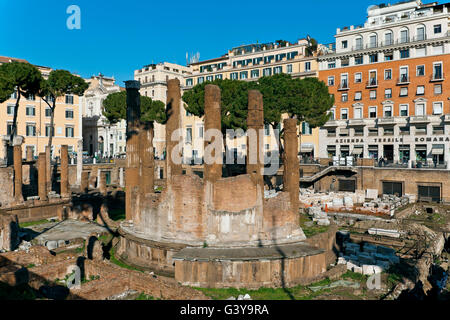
[153, 79]
[101, 138]
[33, 120]
[249, 63]
[391, 86]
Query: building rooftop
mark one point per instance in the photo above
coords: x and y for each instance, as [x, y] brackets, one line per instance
[9, 59]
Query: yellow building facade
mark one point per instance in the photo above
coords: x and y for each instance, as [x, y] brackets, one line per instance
[33, 122]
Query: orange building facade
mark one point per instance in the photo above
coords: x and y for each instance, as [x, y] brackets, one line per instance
[390, 80]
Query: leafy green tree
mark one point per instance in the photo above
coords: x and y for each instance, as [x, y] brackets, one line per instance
[115, 108]
[22, 78]
[312, 47]
[234, 102]
[58, 84]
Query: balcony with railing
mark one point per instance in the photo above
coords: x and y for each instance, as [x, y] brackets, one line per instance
[387, 120]
[343, 86]
[437, 76]
[372, 83]
[419, 119]
[404, 79]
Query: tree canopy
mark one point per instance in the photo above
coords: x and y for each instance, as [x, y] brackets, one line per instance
[115, 108]
[234, 102]
[58, 84]
[21, 77]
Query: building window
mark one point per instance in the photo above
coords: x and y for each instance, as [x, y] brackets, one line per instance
[48, 130]
[218, 77]
[372, 112]
[437, 108]
[189, 135]
[404, 110]
[404, 36]
[404, 92]
[209, 78]
[10, 110]
[306, 129]
[388, 131]
[420, 70]
[373, 78]
[358, 43]
[388, 74]
[31, 130]
[358, 77]
[359, 60]
[267, 72]
[69, 132]
[277, 70]
[404, 53]
[388, 57]
[201, 79]
[420, 109]
[438, 89]
[373, 41]
[69, 99]
[344, 114]
[307, 66]
[344, 44]
[344, 97]
[437, 28]
[344, 81]
[289, 68]
[244, 75]
[404, 75]
[420, 90]
[437, 71]
[420, 33]
[331, 81]
[331, 65]
[189, 82]
[388, 40]
[200, 132]
[388, 93]
[9, 126]
[373, 58]
[31, 111]
[14, 95]
[69, 114]
[373, 94]
[358, 113]
[255, 73]
[31, 97]
[358, 96]
[388, 111]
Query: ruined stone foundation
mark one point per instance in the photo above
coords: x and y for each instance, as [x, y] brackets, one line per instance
[215, 231]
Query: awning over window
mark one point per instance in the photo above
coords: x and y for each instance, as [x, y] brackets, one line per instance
[421, 148]
[437, 151]
[345, 148]
[344, 131]
[357, 151]
[331, 148]
[306, 147]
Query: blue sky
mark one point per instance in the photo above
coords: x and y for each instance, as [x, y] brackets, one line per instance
[117, 37]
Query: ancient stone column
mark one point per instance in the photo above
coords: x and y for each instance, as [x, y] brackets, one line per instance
[213, 166]
[121, 178]
[84, 184]
[291, 165]
[102, 183]
[48, 169]
[173, 123]
[18, 173]
[255, 136]
[64, 171]
[147, 176]
[133, 161]
[42, 176]
[30, 156]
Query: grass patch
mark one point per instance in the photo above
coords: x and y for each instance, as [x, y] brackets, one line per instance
[31, 265]
[106, 238]
[119, 263]
[117, 214]
[311, 230]
[355, 276]
[296, 293]
[143, 296]
[33, 223]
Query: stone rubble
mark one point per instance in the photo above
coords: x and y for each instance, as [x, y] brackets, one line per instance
[368, 261]
[359, 202]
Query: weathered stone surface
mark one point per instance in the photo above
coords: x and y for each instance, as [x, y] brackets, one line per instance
[9, 232]
[42, 176]
[64, 171]
[213, 167]
[18, 173]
